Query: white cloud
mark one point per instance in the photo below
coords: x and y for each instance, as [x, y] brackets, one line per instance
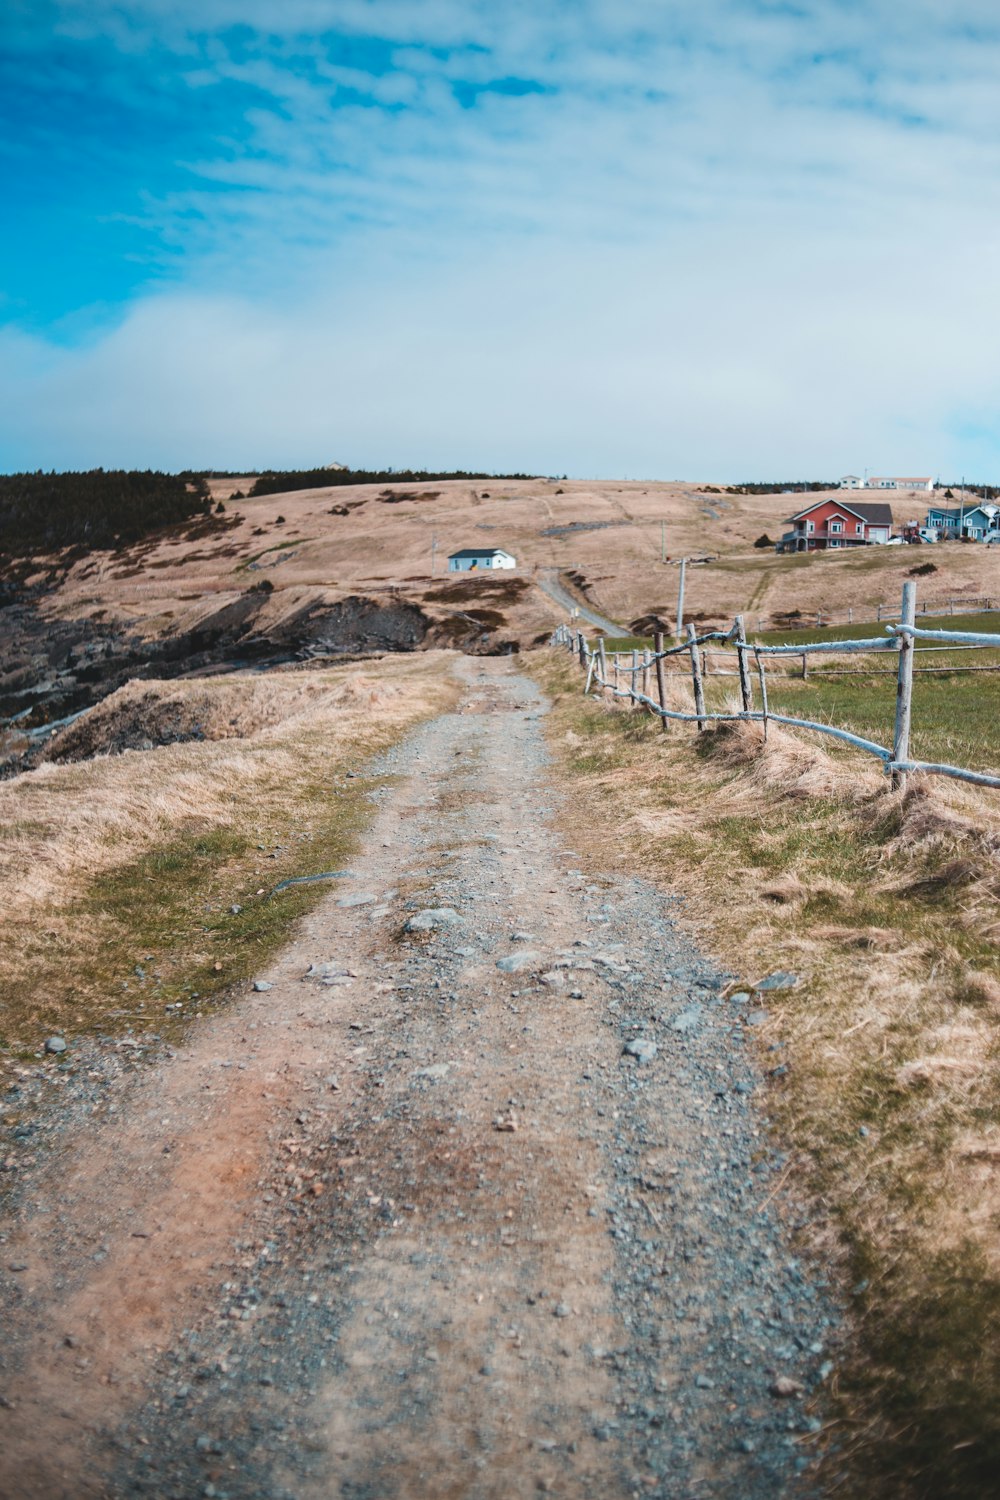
[729, 239]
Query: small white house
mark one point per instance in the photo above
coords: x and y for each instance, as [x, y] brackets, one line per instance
[472, 559]
[851, 482]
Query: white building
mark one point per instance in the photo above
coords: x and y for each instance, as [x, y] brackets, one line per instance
[472, 559]
[887, 482]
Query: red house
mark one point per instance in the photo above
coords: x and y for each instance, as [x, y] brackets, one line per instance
[834, 523]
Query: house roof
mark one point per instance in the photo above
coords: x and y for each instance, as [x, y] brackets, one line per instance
[957, 512]
[876, 513]
[899, 479]
[480, 552]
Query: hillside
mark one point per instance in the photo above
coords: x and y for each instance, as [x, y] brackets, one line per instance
[367, 538]
[359, 569]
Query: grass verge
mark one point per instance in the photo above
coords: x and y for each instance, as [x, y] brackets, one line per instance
[138, 886]
[880, 1066]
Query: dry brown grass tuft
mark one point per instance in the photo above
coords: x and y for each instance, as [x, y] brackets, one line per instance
[785, 766]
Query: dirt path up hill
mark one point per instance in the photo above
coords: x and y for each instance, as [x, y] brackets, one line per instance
[409, 1222]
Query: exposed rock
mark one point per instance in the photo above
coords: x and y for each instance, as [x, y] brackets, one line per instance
[433, 917]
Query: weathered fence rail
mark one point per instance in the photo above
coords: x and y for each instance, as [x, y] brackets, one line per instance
[628, 675]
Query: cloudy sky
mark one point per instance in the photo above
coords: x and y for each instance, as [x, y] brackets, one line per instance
[643, 238]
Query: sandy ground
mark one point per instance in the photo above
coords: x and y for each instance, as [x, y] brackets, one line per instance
[408, 1223]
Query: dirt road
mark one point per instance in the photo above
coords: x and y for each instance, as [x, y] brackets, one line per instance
[549, 584]
[408, 1222]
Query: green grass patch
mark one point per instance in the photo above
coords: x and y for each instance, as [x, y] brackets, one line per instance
[171, 933]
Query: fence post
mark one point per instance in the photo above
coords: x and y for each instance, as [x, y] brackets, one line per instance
[645, 672]
[602, 653]
[878, 613]
[633, 684]
[699, 689]
[591, 660]
[763, 688]
[850, 614]
[746, 691]
[805, 667]
[581, 646]
[680, 598]
[904, 687]
[661, 682]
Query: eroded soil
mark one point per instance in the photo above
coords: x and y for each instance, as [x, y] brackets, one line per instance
[411, 1224]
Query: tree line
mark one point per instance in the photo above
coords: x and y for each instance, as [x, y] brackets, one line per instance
[277, 481]
[103, 508]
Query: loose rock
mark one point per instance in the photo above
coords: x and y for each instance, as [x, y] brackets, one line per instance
[642, 1048]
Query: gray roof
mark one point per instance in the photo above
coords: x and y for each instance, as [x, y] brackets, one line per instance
[876, 512]
[479, 552]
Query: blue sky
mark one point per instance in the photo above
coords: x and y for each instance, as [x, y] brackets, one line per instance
[722, 240]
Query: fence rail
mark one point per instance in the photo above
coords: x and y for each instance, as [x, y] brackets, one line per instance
[628, 675]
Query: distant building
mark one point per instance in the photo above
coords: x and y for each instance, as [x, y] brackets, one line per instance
[472, 559]
[897, 483]
[977, 522]
[835, 523]
[888, 482]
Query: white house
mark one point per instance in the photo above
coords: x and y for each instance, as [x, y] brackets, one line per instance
[472, 559]
[889, 482]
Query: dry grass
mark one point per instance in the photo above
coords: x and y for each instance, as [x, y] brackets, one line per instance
[132, 862]
[886, 1081]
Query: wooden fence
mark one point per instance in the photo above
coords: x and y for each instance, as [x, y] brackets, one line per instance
[630, 675]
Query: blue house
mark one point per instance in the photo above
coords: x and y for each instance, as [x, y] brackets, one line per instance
[977, 522]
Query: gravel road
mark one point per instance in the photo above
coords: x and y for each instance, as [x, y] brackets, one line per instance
[549, 584]
[408, 1220]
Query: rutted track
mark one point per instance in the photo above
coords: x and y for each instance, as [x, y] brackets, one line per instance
[412, 1224]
